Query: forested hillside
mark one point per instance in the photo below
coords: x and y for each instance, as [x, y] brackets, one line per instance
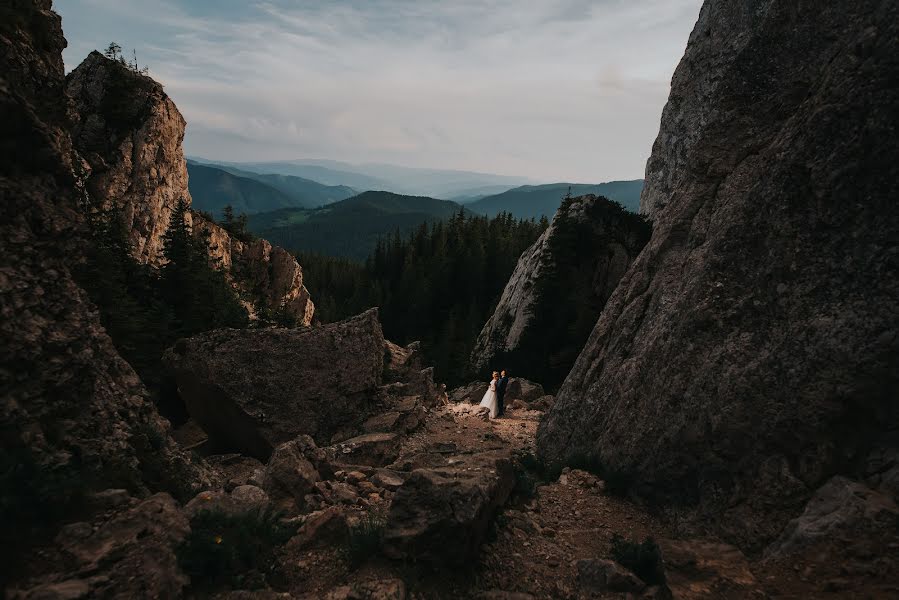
[438, 284]
[535, 201]
[351, 227]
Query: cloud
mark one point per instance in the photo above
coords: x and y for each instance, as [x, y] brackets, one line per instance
[561, 90]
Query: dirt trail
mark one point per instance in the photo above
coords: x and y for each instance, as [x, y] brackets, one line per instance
[538, 538]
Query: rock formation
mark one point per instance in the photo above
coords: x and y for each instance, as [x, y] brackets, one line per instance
[268, 275]
[254, 389]
[74, 414]
[129, 133]
[558, 289]
[751, 352]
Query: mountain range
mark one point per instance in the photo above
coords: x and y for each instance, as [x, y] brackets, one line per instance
[535, 201]
[351, 227]
[214, 187]
[436, 183]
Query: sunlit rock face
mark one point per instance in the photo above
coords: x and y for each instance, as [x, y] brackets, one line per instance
[751, 351]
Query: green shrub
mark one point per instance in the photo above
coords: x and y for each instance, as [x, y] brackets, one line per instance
[363, 539]
[233, 550]
[644, 560]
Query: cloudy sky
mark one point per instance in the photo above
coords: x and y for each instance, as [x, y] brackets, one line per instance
[556, 90]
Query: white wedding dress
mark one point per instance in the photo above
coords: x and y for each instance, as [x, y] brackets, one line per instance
[490, 399]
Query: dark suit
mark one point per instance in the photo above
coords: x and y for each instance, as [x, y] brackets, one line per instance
[501, 394]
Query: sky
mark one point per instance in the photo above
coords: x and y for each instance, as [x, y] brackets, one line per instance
[553, 90]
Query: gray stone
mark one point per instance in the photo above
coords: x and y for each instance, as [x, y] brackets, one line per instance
[441, 515]
[254, 389]
[702, 382]
[599, 575]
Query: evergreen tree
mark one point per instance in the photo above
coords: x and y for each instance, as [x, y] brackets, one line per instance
[438, 285]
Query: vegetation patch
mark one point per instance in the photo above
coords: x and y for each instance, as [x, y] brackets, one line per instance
[643, 559]
[363, 539]
[235, 551]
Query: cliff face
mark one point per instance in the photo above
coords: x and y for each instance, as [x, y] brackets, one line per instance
[751, 352]
[269, 275]
[74, 414]
[558, 289]
[130, 133]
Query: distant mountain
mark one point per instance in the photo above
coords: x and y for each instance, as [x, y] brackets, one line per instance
[305, 192]
[436, 183]
[351, 227]
[212, 189]
[535, 201]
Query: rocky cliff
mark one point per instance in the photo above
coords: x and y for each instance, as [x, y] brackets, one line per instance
[74, 414]
[268, 276]
[129, 133]
[558, 289]
[751, 352]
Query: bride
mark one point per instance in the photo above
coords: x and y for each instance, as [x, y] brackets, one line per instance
[490, 397]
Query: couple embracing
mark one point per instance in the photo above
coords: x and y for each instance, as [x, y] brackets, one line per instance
[496, 393]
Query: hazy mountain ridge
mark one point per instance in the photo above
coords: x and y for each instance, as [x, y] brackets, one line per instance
[431, 182]
[535, 201]
[351, 227]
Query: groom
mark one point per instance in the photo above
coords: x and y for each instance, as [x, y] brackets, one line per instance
[501, 393]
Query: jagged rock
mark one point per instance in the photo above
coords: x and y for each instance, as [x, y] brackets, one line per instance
[600, 575]
[254, 389]
[558, 289]
[268, 274]
[441, 515]
[759, 319]
[543, 403]
[242, 499]
[131, 556]
[291, 472]
[387, 479]
[697, 569]
[372, 449]
[471, 393]
[236, 469]
[323, 527]
[524, 390]
[130, 133]
[72, 408]
[844, 514]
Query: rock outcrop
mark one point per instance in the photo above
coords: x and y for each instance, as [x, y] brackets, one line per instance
[129, 133]
[558, 289]
[268, 275]
[751, 352]
[440, 516]
[74, 414]
[254, 389]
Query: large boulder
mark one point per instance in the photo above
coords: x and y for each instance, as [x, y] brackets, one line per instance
[558, 289]
[75, 415]
[133, 555]
[441, 515]
[254, 389]
[751, 352]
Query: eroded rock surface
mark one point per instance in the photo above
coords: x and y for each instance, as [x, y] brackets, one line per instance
[254, 389]
[558, 289]
[751, 352]
[74, 412]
